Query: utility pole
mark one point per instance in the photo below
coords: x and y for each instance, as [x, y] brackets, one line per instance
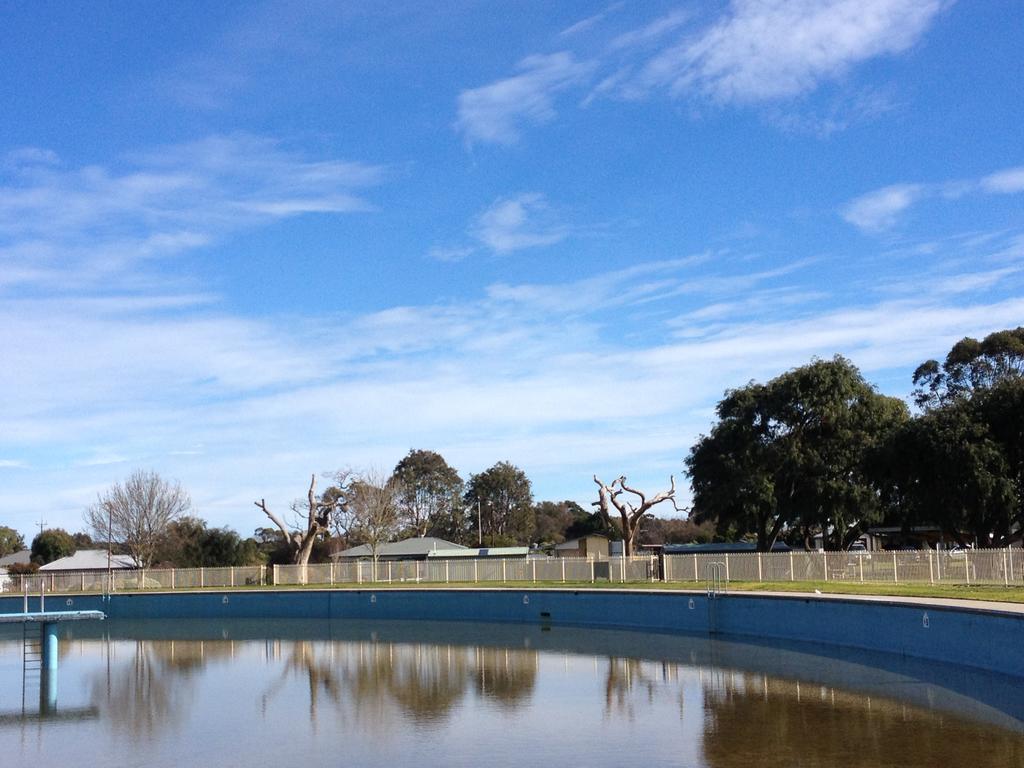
[42, 524]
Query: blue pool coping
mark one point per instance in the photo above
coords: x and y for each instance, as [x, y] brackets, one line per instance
[977, 636]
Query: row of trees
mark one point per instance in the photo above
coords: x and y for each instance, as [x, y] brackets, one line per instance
[818, 450]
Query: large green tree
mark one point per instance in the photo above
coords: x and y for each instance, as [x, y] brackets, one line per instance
[943, 468]
[10, 541]
[52, 544]
[505, 498]
[793, 453]
[430, 502]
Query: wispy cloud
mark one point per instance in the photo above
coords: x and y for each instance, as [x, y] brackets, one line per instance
[496, 112]
[88, 223]
[764, 53]
[880, 209]
[590, 21]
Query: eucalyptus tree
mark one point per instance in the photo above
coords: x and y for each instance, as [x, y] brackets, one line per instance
[431, 495]
[503, 499]
[631, 508]
[971, 366]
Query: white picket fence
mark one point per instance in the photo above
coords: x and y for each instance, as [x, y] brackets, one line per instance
[471, 571]
[980, 566]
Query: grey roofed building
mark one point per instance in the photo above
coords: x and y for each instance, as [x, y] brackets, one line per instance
[407, 549]
[483, 552]
[18, 558]
[91, 560]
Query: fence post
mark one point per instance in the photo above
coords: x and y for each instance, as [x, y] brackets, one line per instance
[727, 566]
[967, 567]
[1009, 551]
[759, 572]
[792, 573]
[696, 575]
[592, 576]
[445, 571]
[534, 571]
[503, 578]
[202, 578]
[895, 566]
[563, 569]
[232, 575]
[389, 571]
[931, 574]
[1006, 575]
[173, 571]
[860, 563]
[824, 560]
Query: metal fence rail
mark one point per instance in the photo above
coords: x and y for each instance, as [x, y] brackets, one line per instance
[983, 566]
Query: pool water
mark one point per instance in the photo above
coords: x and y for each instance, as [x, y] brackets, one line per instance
[359, 693]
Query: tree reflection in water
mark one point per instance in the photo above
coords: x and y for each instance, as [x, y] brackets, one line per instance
[813, 725]
[145, 686]
[369, 682]
[631, 679]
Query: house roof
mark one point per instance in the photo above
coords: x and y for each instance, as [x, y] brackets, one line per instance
[444, 554]
[20, 558]
[414, 547]
[90, 560]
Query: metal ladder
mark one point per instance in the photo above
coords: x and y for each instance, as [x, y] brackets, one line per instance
[717, 583]
[31, 657]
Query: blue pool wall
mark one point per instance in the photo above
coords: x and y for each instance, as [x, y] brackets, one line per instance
[990, 640]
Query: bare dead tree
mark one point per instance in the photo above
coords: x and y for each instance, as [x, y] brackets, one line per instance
[373, 509]
[630, 512]
[137, 513]
[315, 519]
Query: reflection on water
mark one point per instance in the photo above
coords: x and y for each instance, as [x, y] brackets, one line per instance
[394, 693]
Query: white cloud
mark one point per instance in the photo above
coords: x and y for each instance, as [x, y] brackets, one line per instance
[879, 210]
[520, 222]
[496, 112]
[771, 49]
[1006, 182]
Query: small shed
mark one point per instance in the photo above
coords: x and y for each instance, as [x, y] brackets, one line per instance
[592, 546]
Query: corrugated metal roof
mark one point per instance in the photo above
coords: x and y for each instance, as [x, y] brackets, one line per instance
[415, 547]
[90, 560]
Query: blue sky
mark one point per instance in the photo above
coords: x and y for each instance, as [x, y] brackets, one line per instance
[241, 243]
